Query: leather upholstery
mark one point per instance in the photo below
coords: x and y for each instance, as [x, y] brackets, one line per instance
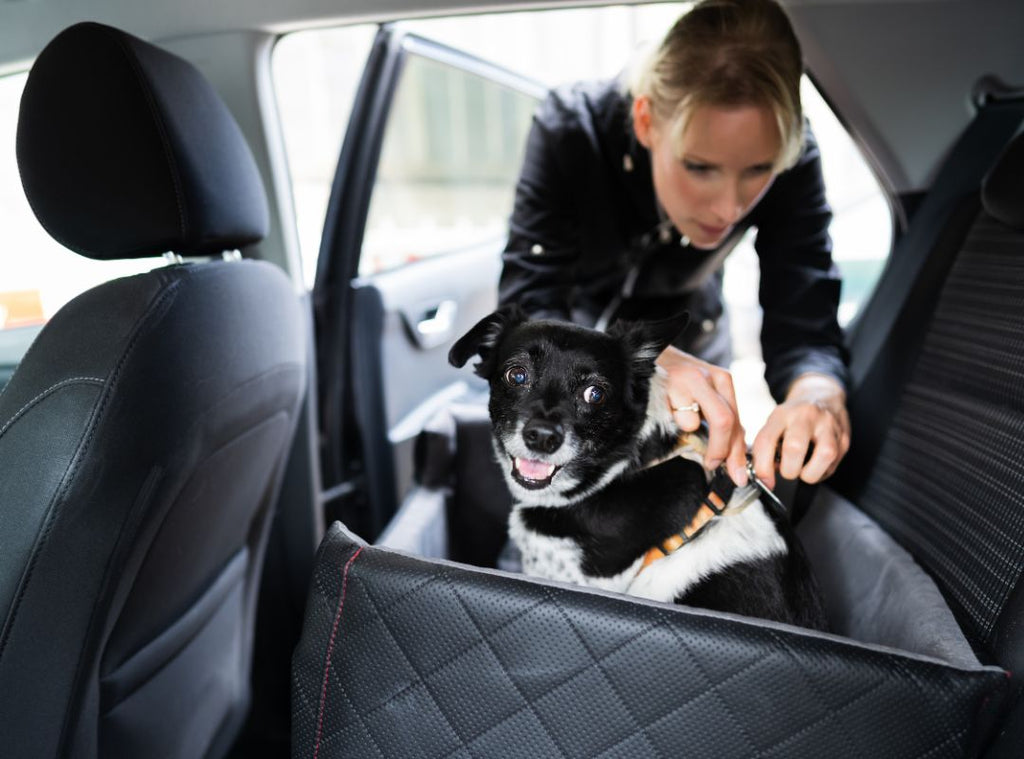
[142, 440]
[414, 658]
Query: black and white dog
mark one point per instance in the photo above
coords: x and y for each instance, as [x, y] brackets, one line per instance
[604, 482]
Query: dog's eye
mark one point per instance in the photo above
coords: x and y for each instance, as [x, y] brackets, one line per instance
[594, 395]
[516, 376]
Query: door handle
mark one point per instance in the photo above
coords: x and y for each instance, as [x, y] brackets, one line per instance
[436, 324]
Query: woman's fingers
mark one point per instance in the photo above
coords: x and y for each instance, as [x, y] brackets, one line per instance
[691, 381]
[687, 416]
[766, 443]
[737, 459]
[716, 411]
[831, 443]
[710, 388]
[793, 451]
[802, 440]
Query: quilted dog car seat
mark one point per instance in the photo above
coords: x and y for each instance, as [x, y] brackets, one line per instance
[408, 654]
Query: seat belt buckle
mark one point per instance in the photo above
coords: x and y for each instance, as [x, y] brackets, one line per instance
[773, 500]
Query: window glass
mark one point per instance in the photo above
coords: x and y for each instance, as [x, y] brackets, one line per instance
[862, 224]
[450, 157]
[37, 275]
[557, 46]
[316, 74]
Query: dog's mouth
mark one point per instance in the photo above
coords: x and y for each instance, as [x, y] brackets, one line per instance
[532, 474]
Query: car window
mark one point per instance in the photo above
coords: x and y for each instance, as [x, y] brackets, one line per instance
[452, 150]
[316, 74]
[37, 275]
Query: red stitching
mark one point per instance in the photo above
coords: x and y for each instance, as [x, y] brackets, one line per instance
[330, 650]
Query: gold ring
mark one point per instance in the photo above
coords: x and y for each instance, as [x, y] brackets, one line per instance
[694, 407]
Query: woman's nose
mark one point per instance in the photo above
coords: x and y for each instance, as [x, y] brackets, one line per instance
[729, 204]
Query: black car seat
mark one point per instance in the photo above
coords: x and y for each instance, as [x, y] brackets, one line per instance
[143, 436]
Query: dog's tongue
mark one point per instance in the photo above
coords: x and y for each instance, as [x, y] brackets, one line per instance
[534, 470]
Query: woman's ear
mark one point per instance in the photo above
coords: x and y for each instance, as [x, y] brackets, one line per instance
[642, 120]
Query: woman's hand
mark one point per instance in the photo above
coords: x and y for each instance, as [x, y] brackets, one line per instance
[692, 381]
[814, 413]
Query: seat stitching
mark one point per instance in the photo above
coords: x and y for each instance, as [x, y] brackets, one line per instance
[387, 609]
[528, 704]
[712, 686]
[598, 665]
[358, 625]
[421, 677]
[956, 737]
[715, 686]
[833, 714]
[408, 660]
[822, 697]
[297, 687]
[159, 305]
[552, 688]
[451, 660]
[90, 430]
[56, 386]
[330, 651]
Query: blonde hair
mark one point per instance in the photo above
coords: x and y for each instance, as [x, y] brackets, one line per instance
[727, 53]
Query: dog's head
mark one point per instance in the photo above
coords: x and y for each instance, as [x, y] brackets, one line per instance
[567, 403]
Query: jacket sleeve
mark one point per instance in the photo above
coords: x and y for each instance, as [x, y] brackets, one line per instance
[800, 283]
[543, 244]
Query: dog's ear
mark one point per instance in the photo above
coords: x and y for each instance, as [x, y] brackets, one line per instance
[645, 340]
[484, 336]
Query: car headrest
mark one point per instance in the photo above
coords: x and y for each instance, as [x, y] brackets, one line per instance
[1002, 191]
[126, 151]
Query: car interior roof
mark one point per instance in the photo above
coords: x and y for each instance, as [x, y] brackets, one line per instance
[887, 67]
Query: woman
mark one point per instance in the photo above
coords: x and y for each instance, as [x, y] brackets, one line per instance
[629, 201]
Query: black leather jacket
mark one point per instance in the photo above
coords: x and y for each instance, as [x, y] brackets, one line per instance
[586, 242]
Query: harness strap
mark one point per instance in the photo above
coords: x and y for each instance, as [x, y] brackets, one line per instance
[720, 491]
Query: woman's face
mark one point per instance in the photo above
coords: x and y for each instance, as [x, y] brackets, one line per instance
[723, 168]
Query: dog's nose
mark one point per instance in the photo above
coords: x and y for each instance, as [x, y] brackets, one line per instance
[543, 436]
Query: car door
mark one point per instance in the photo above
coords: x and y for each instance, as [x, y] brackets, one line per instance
[410, 257]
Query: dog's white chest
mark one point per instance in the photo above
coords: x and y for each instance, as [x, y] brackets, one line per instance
[561, 558]
[748, 536]
[545, 556]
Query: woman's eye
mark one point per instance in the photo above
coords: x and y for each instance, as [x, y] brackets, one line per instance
[696, 168]
[760, 170]
[516, 376]
[594, 395]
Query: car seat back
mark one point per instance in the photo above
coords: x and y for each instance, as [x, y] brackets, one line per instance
[948, 482]
[143, 436]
